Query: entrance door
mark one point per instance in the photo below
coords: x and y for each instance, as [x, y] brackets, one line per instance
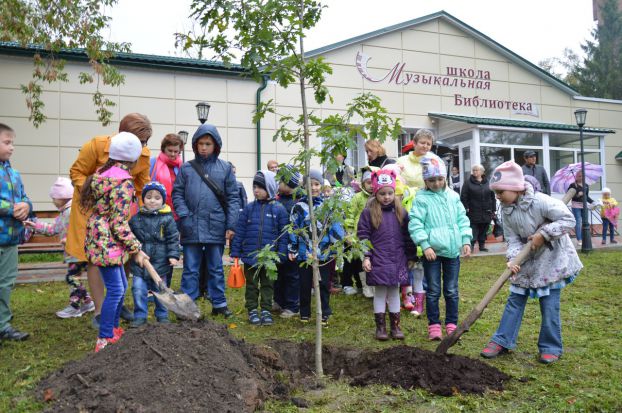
[464, 149]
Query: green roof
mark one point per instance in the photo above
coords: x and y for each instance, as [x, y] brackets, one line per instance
[514, 123]
[134, 59]
[619, 156]
[520, 61]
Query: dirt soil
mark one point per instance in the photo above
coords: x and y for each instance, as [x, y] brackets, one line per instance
[196, 367]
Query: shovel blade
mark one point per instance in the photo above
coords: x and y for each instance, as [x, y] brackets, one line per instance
[181, 304]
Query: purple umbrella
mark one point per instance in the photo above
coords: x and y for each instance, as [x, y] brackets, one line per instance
[566, 176]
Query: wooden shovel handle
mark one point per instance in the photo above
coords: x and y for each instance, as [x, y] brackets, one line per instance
[152, 272]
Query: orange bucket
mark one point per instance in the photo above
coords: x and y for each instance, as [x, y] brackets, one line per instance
[236, 275]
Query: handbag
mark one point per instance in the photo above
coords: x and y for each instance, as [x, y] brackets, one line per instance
[236, 275]
[220, 195]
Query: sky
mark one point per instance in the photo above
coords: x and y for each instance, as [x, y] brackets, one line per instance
[533, 29]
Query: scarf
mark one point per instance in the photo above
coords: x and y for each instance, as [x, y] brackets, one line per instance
[164, 173]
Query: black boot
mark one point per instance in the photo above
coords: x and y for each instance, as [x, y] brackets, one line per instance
[396, 332]
[381, 326]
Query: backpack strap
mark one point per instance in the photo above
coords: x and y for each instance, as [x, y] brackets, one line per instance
[213, 186]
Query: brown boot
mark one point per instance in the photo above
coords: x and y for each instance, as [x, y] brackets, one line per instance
[396, 333]
[381, 326]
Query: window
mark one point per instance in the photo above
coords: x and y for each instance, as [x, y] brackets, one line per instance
[573, 141]
[357, 158]
[510, 138]
[492, 156]
[407, 135]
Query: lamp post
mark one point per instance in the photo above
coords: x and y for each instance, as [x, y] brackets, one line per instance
[586, 245]
[202, 111]
[184, 138]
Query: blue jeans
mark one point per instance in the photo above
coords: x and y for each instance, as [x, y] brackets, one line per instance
[140, 287]
[578, 216]
[432, 272]
[116, 285]
[287, 286]
[193, 254]
[608, 224]
[550, 339]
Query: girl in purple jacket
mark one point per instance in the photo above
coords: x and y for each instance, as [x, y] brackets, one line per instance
[384, 223]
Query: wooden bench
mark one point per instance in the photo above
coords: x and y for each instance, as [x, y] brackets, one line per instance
[40, 243]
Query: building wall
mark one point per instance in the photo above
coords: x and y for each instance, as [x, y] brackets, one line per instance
[168, 99]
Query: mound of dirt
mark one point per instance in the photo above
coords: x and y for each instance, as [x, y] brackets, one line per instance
[403, 366]
[190, 367]
[199, 367]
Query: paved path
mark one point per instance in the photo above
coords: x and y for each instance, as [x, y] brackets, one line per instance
[48, 272]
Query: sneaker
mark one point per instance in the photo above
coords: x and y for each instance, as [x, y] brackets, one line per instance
[450, 328]
[138, 322]
[368, 292]
[266, 318]
[13, 334]
[613, 241]
[87, 307]
[101, 343]
[349, 290]
[325, 320]
[434, 332]
[603, 242]
[117, 333]
[95, 321]
[163, 320]
[483, 249]
[548, 358]
[69, 312]
[126, 314]
[288, 314]
[492, 350]
[222, 311]
[253, 318]
[305, 319]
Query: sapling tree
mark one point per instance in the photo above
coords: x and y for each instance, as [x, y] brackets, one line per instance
[53, 25]
[267, 36]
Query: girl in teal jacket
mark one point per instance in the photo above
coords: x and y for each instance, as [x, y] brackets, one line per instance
[439, 225]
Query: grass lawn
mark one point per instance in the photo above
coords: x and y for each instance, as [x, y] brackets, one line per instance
[587, 378]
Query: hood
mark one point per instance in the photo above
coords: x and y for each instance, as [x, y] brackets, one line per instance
[207, 129]
[523, 202]
[271, 185]
[104, 182]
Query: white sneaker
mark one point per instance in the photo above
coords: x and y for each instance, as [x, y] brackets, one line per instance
[288, 314]
[349, 290]
[69, 312]
[368, 292]
[87, 307]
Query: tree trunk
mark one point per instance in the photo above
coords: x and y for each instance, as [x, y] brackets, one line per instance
[319, 371]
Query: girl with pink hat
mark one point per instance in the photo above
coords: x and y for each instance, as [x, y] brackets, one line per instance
[80, 301]
[384, 223]
[529, 215]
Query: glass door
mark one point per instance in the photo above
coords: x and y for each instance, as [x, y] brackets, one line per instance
[464, 149]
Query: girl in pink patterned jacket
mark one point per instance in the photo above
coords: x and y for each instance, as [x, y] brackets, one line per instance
[109, 241]
[80, 301]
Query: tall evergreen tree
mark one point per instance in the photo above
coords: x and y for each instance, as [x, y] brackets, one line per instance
[600, 74]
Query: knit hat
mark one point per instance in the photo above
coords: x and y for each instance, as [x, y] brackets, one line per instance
[382, 178]
[327, 184]
[260, 181]
[125, 147]
[315, 174]
[266, 180]
[508, 176]
[291, 177]
[154, 185]
[366, 175]
[432, 166]
[61, 189]
[606, 190]
[395, 168]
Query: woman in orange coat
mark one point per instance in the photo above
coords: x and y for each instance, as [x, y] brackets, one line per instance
[93, 155]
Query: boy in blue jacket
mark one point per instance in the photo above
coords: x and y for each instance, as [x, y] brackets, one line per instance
[207, 215]
[14, 209]
[261, 223]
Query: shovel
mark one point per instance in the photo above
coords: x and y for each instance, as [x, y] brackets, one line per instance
[476, 313]
[181, 304]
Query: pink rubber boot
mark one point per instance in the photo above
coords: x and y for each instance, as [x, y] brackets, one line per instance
[419, 302]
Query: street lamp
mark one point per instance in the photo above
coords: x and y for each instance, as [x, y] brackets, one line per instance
[586, 245]
[202, 111]
[184, 138]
